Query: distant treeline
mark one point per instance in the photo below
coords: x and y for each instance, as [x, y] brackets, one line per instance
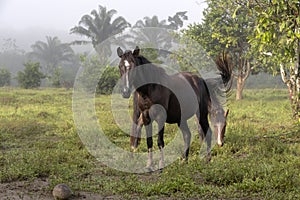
[264, 80]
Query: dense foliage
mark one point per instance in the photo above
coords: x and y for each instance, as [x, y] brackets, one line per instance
[277, 38]
[226, 27]
[108, 80]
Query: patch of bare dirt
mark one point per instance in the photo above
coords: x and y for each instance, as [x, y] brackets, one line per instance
[39, 189]
[25, 190]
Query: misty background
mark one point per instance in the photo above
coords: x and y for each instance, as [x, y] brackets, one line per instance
[32, 20]
[24, 23]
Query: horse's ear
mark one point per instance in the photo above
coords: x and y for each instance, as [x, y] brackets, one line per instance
[120, 52]
[136, 51]
[226, 113]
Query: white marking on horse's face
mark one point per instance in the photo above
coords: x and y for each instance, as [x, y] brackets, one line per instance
[126, 63]
[127, 80]
[219, 140]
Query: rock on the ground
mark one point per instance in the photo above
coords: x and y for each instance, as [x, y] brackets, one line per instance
[61, 192]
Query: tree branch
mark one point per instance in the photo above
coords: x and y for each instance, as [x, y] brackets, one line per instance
[248, 69]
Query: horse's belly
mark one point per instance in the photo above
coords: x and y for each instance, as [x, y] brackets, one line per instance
[173, 119]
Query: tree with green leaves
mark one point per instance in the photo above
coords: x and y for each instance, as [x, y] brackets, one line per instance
[98, 26]
[31, 76]
[227, 26]
[5, 77]
[51, 54]
[277, 39]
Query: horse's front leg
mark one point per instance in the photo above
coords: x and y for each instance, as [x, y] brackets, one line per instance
[208, 135]
[135, 136]
[150, 146]
[187, 139]
[200, 130]
[208, 141]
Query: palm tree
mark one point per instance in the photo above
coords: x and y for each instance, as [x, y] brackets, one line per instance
[149, 32]
[99, 26]
[151, 22]
[51, 54]
[154, 35]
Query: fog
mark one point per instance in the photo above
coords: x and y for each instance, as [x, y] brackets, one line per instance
[32, 20]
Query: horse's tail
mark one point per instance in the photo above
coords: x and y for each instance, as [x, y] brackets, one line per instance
[224, 65]
[220, 88]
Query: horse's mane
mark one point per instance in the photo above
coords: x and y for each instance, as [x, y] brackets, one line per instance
[142, 60]
[154, 73]
[216, 93]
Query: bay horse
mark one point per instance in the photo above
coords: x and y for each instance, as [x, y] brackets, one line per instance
[169, 99]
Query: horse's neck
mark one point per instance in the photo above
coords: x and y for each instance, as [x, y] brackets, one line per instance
[149, 73]
[216, 105]
[149, 80]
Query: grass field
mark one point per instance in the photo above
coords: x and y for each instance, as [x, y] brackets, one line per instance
[41, 148]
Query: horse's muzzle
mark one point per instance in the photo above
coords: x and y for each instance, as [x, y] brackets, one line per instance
[126, 93]
[220, 144]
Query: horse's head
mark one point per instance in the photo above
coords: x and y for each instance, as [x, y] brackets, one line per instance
[127, 63]
[218, 118]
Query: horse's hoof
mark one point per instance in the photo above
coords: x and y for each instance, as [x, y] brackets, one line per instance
[184, 160]
[208, 159]
[149, 169]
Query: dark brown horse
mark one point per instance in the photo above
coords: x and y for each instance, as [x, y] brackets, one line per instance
[169, 99]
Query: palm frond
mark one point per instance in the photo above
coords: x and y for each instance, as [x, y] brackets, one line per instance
[80, 42]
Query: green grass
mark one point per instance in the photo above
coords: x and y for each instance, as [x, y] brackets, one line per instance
[260, 158]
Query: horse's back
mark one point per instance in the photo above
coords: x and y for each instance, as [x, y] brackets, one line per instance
[185, 102]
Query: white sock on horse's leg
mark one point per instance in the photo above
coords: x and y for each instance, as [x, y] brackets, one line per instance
[162, 159]
[150, 159]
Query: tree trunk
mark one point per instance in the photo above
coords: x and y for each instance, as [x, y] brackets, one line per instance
[240, 83]
[243, 73]
[292, 83]
[292, 80]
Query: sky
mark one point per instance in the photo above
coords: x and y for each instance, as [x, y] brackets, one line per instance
[23, 16]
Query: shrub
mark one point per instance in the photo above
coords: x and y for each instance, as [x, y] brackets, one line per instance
[108, 80]
[5, 77]
[31, 76]
[56, 78]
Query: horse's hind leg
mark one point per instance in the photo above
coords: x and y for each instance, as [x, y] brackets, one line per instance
[187, 139]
